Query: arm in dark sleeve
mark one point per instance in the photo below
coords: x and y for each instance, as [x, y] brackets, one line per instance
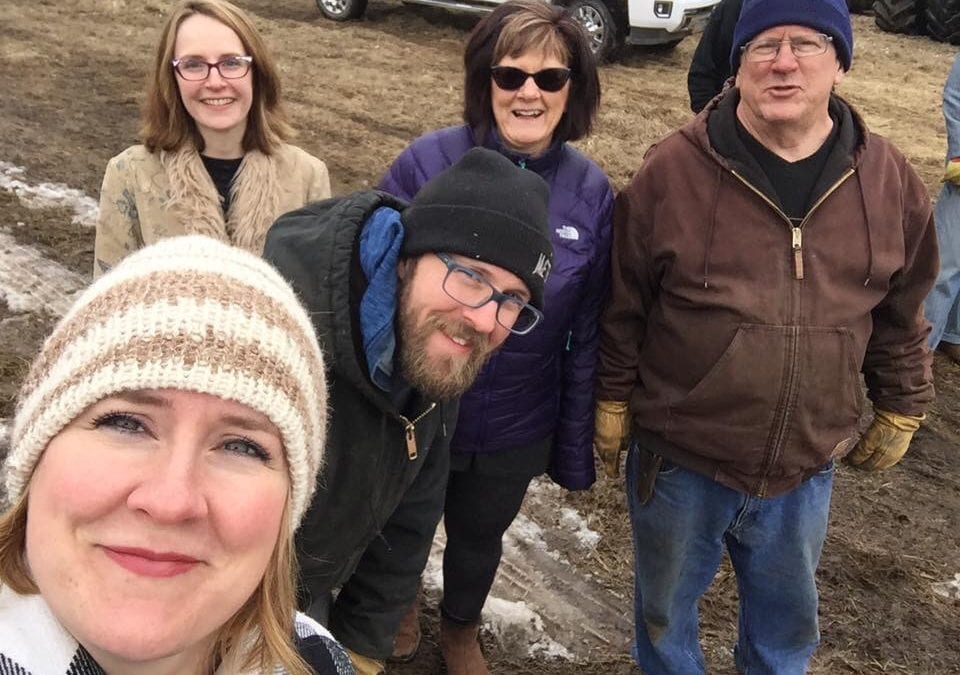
[572, 463]
[710, 67]
[897, 367]
[632, 290]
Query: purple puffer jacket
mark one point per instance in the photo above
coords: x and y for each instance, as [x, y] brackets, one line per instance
[542, 383]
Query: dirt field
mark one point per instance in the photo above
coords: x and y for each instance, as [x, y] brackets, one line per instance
[71, 78]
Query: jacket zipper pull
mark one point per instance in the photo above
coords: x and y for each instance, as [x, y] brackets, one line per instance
[797, 253]
[411, 441]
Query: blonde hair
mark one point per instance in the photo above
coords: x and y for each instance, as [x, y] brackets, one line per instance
[166, 124]
[267, 616]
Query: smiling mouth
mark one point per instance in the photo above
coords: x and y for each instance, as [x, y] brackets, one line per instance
[146, 563]
[217, 102]
[527, 114]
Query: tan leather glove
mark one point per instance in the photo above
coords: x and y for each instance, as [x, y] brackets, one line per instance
[885, 441]
[610, 434]
[364, 665]
[952, 173]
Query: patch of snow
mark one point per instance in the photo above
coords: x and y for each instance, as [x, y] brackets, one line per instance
[4, 435]
[519, 628]
[432, 577]
[29, 281]
[46, 195]
[527, 531]
[575, 522]
[949, 589]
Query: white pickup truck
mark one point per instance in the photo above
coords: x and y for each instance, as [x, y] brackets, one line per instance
[609, 23]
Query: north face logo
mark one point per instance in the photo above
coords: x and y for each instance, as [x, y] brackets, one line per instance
[568, 232]
[542, 268]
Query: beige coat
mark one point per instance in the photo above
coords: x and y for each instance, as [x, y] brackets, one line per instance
[147, 196]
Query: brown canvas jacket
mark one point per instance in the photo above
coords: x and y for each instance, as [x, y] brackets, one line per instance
[739, 339]
[147, 196]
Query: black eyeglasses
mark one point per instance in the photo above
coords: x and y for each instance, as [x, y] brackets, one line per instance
[469, 288]
[230, 68]
[509, 78]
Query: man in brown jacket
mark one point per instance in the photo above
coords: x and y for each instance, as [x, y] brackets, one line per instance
[765, 255]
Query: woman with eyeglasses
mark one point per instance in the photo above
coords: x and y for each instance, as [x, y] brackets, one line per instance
[214, 158]
[530, 87]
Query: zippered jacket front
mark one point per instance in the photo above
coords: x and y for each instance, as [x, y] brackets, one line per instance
[737, 336]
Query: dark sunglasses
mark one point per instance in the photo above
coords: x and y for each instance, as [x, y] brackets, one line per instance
[509, 78]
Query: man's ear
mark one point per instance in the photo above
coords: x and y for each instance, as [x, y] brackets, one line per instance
[404, 265]
[838, 78]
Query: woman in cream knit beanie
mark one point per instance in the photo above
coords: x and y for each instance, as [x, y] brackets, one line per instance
[165, 447]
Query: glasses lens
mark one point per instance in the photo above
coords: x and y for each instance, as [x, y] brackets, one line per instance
[233, 67]
[522, 322]
[508, 78]
[466, 287]
[193, 69]
[552, 79]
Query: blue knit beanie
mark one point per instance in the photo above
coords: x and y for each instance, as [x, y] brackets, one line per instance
[827, 16]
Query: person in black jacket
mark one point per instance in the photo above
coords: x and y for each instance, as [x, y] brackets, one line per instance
[710, 67]
[408, 302]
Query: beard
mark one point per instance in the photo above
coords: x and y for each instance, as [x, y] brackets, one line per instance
[439, 377]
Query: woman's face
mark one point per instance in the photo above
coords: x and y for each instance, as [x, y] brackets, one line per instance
[527, 117]
[151, 520]
[218, 105]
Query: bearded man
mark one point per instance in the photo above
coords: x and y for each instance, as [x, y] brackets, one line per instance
[408, 303]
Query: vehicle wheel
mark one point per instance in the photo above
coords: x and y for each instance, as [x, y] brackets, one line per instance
[899, 16]
[943, 20]
[859, 6]
[601, 28]
[342, 10]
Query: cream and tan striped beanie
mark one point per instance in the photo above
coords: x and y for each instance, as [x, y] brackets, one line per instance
[187, 313]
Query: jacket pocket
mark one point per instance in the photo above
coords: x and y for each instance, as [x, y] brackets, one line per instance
[787, 390]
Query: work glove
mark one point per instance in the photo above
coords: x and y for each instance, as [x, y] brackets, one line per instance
[885, 441]
[610, 434]
[365, 665]
[952, 173]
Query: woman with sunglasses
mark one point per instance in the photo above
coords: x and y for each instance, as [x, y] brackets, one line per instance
[214, 160]
[531, 86]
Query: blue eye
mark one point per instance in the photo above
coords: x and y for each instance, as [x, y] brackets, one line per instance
[245, 446]
[119, 421]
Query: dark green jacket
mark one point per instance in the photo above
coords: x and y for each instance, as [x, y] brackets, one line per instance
[368, 467]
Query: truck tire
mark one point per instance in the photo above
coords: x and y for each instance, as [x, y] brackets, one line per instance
[859, 6]
[943, 20]
[899, 16]
[342, 10]
[603, 32]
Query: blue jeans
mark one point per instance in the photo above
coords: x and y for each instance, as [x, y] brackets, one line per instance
[940, 307]
[774, 545]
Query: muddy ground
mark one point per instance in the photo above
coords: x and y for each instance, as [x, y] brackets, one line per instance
[71, 77]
